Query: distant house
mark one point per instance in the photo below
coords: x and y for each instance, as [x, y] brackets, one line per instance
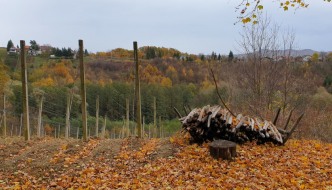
[306, 58]
[32, 51]
[13, 50]
[46, 48]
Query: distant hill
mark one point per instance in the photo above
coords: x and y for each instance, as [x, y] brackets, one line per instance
[294, 53]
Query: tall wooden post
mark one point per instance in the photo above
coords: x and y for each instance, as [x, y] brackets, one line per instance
[83, 92]
[97, 116]
[77, 132]
[143, 125]
[127, 117]
[4, 116]
[104, 128]
[25, 102]
[160, 128]
[67, 115]
[21, 124]
[40, 111]
[154, 116]
[59, 130]
[138, 93]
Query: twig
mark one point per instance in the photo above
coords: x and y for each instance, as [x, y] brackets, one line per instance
[276, 118]
[222, 101]
[294, 127]
[177, 112]
[288, 119]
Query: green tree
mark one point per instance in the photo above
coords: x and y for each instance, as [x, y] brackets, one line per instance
[230, 56]
[34, 45]
[10, 44]
[315, 57]
[202, 57]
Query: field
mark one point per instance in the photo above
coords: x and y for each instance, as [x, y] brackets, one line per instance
[161, 164]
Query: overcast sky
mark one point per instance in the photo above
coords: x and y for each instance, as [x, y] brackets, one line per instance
[193, 26]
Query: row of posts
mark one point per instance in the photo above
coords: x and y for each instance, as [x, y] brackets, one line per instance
[25, 102]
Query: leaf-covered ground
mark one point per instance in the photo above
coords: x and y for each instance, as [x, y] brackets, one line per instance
[161, 164]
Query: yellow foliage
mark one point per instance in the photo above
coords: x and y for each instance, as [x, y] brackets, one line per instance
[4, 78]
[167, 82]
[44, 82]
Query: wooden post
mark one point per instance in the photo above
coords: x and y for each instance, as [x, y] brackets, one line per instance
[83, 92]
[40, 111]
[138, 93]
[21, 124]
[59, 131]
[97, 116]
[77, 132]
[4, 116]
[149, 132]
[67, 115]
[104, 128]
[143, 127]
[127, 116]
[154, 116]
[54, 132]
[160, 130]
[123, 129]
[11, 131]
[25, 100]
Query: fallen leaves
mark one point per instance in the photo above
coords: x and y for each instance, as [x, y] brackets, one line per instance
[301, 164]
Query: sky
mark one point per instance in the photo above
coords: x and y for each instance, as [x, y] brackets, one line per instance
[192, 26]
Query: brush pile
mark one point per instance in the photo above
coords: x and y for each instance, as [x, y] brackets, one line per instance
[211, 123]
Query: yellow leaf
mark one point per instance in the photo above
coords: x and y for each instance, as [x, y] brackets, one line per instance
[260, 7]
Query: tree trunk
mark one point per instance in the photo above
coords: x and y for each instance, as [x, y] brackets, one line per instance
[223, 149]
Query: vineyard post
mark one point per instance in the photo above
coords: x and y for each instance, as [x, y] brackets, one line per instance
[11, 131]
[4, 116]
[104, 127]
[97, 116]
[160, 128]
[59, 131]
[25, 101]
[154, 115]
[138, 93]
[143, 132]
[21, 124]
[127, 117]
[83, 91]
[40, 111]
[67, 116]
[77, 132]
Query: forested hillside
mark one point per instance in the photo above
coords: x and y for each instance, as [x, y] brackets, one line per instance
[174, 79]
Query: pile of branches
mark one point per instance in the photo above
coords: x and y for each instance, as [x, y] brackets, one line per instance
[211, 123]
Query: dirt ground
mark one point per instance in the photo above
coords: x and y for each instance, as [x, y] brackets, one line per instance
[49, 158]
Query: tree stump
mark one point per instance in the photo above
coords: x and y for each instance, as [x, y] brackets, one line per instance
[223, 149]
